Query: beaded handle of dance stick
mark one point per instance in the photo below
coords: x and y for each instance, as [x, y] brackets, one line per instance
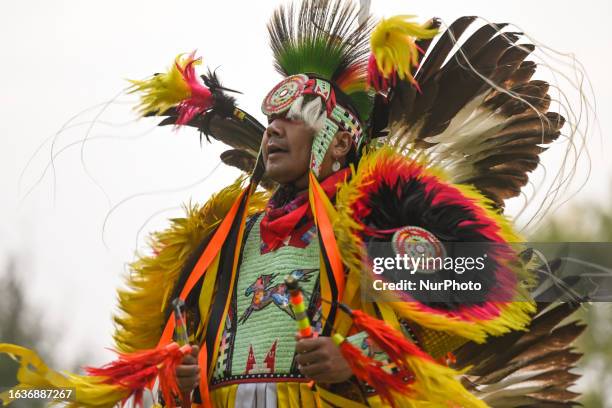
[182, 338]
[296, 299]
[180, 330]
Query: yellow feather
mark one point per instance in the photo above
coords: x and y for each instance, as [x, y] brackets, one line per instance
[165, 90]
[439, 386]
[393, 44]
[152, 278]
[33, 374]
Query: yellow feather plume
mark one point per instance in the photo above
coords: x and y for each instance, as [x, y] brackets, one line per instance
[165, 90]
[393, 45]
[86, 391]
[439, 386]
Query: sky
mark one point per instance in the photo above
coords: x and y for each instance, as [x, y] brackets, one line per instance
[74, 225]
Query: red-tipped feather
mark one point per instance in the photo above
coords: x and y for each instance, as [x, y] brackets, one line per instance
[388, 339]
[380, 82]
[376, 78]
[136, 370]
[201, 98]
[371, 371]
[167, 380]
[431, 381]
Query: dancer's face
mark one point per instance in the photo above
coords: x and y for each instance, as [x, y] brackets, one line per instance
[286, 149]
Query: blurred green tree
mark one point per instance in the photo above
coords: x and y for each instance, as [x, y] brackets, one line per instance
[589, 223]
[20, 323]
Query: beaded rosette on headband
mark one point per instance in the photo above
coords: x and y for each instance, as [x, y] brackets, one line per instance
[281, 98]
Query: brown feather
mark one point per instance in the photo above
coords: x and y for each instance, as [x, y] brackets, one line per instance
[554, 394]
[473, 45]
[442, 47]
[240, 159]
[499, 152]
[510, 62]
[483, 50]
[558, 359]
[522, 74]
[451, 98]
[423, 44]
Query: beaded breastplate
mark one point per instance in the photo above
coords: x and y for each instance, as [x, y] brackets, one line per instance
[258, 341]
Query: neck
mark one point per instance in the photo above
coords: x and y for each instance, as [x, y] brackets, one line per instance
[301, 184]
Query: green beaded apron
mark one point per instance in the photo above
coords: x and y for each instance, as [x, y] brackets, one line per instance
[258, 341]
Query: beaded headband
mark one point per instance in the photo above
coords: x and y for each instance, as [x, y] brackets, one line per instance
[285, 93]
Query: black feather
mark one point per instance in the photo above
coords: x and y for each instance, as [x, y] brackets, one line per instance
[411, 202]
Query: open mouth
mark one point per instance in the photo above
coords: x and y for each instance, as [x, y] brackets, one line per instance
[273, 149]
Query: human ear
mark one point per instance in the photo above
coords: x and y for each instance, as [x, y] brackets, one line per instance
[341, 145]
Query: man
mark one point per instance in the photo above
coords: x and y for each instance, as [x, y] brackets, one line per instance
[337, 192]
[286, 148]
[366, 147]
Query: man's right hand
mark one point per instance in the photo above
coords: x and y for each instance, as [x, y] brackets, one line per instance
[188, 373]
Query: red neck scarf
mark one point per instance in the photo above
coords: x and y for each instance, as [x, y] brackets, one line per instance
[287, 224]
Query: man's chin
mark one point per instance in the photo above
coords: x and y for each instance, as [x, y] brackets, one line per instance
[277, 174]
[281, 176]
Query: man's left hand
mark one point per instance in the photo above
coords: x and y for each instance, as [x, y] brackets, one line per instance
[320, 359]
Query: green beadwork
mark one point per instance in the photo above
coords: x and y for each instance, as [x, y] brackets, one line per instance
[263, 327]
[321, 143]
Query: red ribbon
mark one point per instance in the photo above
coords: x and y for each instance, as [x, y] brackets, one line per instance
[279, 226]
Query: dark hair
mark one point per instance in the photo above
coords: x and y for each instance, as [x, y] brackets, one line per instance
[351, 156]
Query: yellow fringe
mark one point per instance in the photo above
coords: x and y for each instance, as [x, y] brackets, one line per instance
[514, 315]
[33, 374]
[288, 395]
[152, 278]
[393, 45]
[436, 385]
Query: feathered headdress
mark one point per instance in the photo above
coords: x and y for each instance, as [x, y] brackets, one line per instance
[328, 40]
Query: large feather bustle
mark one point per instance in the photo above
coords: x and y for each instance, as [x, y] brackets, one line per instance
[152, 277]
[531, 368]
[325, 38]
[479, 115]
[474, 322]
[394, 49]
[226, 123]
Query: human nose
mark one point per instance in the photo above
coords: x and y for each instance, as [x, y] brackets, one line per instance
[274, 129]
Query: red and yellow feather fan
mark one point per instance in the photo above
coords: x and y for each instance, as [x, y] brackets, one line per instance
[415, 195]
